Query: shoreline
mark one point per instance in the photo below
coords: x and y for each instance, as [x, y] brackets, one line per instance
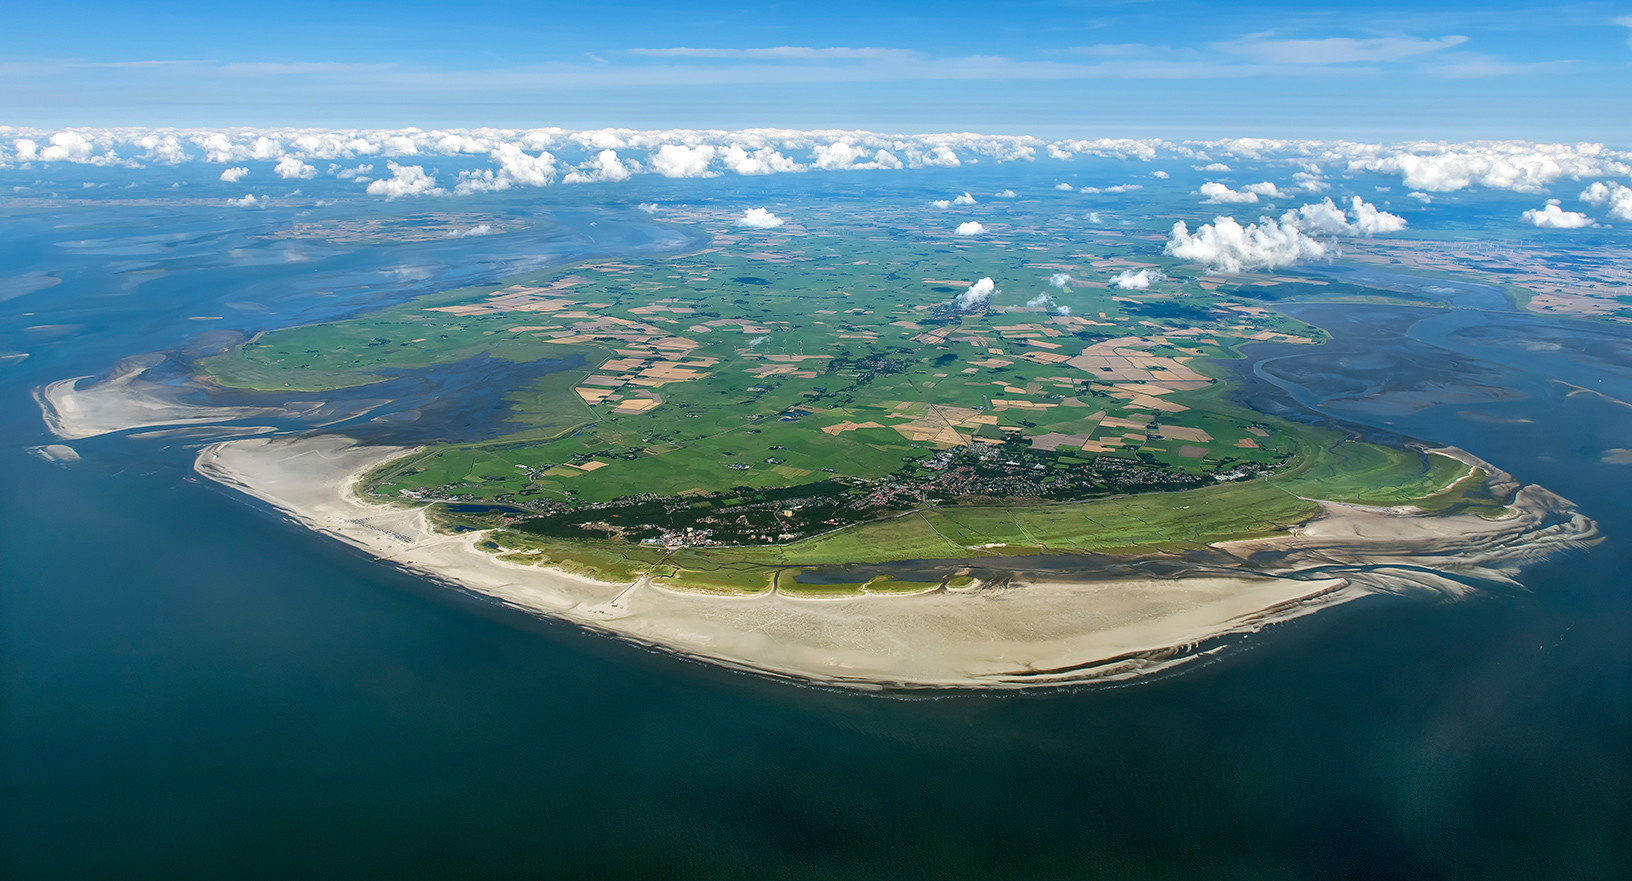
[1024, 632]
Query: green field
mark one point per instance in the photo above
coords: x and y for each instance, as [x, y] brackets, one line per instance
[774, 311]
[825, 352]
[1364, 474]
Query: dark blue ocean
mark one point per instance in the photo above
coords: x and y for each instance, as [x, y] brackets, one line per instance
[194, 688]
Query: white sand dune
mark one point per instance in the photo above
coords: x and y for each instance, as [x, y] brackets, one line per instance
[1018, 634]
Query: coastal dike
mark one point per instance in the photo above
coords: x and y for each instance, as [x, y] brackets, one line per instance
[1021, 631]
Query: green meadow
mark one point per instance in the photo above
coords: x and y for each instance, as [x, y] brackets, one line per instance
[1364, 474]
[790, 356]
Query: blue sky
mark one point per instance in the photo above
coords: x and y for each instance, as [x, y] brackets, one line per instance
[1379, 70]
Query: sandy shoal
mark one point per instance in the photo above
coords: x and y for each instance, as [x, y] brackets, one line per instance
[123, 400]
[1019, 634]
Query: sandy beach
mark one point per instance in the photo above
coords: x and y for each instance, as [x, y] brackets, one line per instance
[1022, 633]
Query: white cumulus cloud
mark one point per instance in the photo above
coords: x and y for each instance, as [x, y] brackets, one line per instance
[1226, 246]
[1045, 301]
[1615, 196]
[844, 156]
[759, 218]
[68, 147]
[405, 180]
[939, 156]
[1004, 194]
[290, 168]
[1370, 220]
[676, 160]
[248, 201]
[517, 167]
[1309, 182]
[234, 174]
[1061, 280]
[764, 160]
[1319, 218]
[969, 228]
[837, 156]
[977, 295]
[1520, 167]
[1128, 280]
[1065, 187]
[1550, 216]
[166, 150]
[480, 229]
[355, 172]
[399, 145]
[1218, 194]
[605, 166]
[1326, 218]
[520, 168]
[964, 199]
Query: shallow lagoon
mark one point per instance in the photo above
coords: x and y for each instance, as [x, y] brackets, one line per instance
[195, 689]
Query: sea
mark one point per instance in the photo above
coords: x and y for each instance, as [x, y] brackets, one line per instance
[193, 687]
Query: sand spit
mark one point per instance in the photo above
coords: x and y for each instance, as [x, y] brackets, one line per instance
[1013, 635]
[124, 400]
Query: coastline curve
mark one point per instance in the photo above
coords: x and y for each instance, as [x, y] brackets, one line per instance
[1025, 632]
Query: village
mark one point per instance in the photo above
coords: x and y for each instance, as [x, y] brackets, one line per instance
[1009, 473]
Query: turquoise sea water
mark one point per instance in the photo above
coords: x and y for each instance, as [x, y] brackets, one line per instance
[194, 688]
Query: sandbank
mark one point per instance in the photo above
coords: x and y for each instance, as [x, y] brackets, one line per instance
[123, 400]
[1021, 632]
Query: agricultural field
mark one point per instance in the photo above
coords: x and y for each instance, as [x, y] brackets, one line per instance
[850, 385]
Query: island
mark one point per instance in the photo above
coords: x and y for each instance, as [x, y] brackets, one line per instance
[860, 451]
